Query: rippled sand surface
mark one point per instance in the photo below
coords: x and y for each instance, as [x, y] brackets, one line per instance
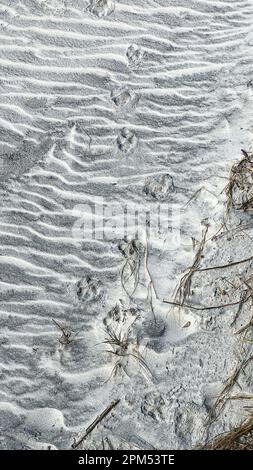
[137, 104]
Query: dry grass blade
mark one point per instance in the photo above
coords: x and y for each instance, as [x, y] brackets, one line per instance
[239, 188]
[151, 284]
[232, 440]
[207, 307]
[114, 339]
[67, 335]
[228, 265]
[184, 288]
[224, 395]
[248, 325]
[244, 297]
[241, 397]
[98, 419]
[131, 268]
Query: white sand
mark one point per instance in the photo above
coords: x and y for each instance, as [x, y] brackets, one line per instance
[141, 103]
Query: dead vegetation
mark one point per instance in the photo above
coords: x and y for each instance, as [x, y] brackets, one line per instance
[202, 307]
[67, 335]
[96, 421]
[123, 349]
[243, 362]
[240, 438]
[184, 288]
[239, 190]
[224, 396]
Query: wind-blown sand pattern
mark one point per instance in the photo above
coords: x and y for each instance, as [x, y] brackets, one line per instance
[136, 102]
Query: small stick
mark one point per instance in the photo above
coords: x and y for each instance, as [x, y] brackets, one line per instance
[241, 304]
[234, 263]
[184, 288]
[95, 422]
[245, 327]
[193, 307]
[246, 155]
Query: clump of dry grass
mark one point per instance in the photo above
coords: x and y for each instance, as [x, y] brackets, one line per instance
[240, 438]
[239, 190]
[67, 335]
[224, 396]
[183, 290]
[240, 368]
[124, 349]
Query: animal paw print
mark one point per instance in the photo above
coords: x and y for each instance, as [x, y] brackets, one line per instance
[135, 55]
[154, 328]
[209, 323]
[153, 406]
[125, 98]
[90, 290]
[101, 8]
[58, 6]
[189, 419]
[126, 141]
[160, 187]
[119, 315]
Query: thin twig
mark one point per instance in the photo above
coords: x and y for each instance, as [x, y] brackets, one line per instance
[234, 263]
[241, 304]
[96, 422]
[184, 288]
[231, 440]
[211, 307]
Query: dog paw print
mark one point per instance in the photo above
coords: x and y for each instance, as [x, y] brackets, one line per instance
[154, 328]
[153, 406]
[135, 55]
[119, 315]
[160, 187]
[126, 141]
[101, 8]
[209, 323]
[189, 419]
[89, 290]
[125, 99]
[153, 334]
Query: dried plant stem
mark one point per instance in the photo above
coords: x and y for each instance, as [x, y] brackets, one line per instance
[98, 419]
[211, 307]
[184, 288]
[231, 441]
[229, 265]
[239, 174]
